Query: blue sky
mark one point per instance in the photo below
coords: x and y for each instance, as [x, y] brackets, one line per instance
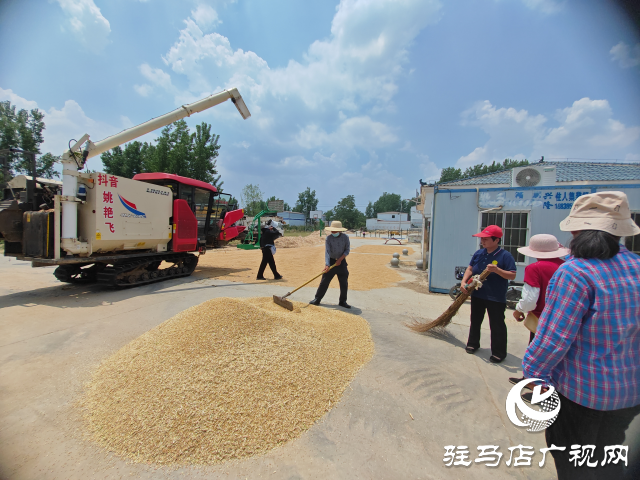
[353, 97]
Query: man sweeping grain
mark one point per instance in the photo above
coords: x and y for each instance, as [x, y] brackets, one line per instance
[268, 238]
[337, 247]
[492, 297]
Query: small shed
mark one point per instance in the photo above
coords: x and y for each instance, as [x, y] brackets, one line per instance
[523, 201]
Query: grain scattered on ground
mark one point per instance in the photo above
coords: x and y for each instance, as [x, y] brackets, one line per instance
[313, 238]
[389, 249]
[227, 379]
[297, 265]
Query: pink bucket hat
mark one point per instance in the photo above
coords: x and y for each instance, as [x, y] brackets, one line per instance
[544, 246]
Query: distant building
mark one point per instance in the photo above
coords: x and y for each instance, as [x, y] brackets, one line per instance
[294, 219]
[416, 218]
[389, 221]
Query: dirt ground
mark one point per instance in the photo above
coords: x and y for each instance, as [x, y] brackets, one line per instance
[297, 265]
[383, 249]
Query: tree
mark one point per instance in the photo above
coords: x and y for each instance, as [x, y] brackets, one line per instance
[328, 216]
[388, 202]
[251, 199]
[306, 202]
[205, 152]
[450, 174]
[369, 212]
[346, 212]
[177, 151]
[24, 130]
[127, 162]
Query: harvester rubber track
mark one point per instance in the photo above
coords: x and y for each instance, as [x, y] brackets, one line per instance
[142, 271]
[130, 272]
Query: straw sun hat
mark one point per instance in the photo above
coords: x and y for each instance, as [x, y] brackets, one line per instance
[336, 226]
[605, 211]
[544, 246]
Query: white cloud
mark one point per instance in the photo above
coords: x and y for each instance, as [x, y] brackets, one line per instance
[143, 90]
[586, 129]
[87, 23]
[429, 171]
[544, 6]
[18, 101]
[205, 16]
[354, 132]
[625, 55]
[350, 77]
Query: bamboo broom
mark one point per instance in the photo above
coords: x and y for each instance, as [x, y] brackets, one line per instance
[445, 319]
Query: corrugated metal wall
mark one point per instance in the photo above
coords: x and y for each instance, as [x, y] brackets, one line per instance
[457, 218]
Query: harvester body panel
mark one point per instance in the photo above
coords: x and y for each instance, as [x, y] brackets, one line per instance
[123, 214]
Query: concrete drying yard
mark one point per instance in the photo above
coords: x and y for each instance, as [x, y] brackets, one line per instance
[418, 393]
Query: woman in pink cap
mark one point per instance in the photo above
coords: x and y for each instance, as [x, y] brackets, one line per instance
[547, 250]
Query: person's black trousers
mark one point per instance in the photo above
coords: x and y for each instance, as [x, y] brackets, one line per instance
[267, 257]
[578, 425]
[343, 277]
[496, 322]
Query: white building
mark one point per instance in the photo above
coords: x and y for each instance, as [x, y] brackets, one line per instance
[389, 221]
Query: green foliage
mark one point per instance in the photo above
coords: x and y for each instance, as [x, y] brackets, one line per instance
[177, 151]
[24, 129]
[450, 174]
[346, 212]
[388, 202]
[125, 162]
[44, 165]
[329, 215]
[251, 200]
[306, 202]
[369, 211]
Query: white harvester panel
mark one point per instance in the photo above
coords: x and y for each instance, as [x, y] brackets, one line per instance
[125, 214]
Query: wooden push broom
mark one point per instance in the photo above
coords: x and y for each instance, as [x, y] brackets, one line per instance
[445, 319]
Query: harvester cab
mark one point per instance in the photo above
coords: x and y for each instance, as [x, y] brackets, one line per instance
[212, 211]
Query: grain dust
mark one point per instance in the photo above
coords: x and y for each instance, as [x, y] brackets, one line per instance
[227, 379]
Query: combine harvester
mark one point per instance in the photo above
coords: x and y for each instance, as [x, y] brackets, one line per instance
[114, 230]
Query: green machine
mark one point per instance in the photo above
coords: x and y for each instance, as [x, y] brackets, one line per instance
[252, 240]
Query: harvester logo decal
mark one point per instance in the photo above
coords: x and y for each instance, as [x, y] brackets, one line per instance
[132, 208]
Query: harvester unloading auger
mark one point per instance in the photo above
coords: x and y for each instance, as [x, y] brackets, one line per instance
[117, 230]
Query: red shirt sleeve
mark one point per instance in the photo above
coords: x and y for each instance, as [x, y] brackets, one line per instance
[532, 276]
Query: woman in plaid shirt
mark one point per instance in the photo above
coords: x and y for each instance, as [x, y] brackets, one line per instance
[587, 343]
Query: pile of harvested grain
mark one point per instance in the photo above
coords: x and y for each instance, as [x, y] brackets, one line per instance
[226, 379]
[313, 238]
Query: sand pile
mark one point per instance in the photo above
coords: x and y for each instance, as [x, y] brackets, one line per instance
[310, 240]
[226, 379]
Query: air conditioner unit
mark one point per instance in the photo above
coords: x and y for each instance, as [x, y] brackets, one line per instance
[533, 176]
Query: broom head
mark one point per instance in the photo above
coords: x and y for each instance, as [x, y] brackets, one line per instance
[283, 302]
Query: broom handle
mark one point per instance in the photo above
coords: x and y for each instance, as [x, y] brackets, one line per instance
[293, 291]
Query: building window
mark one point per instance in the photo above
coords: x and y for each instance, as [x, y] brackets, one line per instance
[514, 230]
[633, 243]
[393, 216]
